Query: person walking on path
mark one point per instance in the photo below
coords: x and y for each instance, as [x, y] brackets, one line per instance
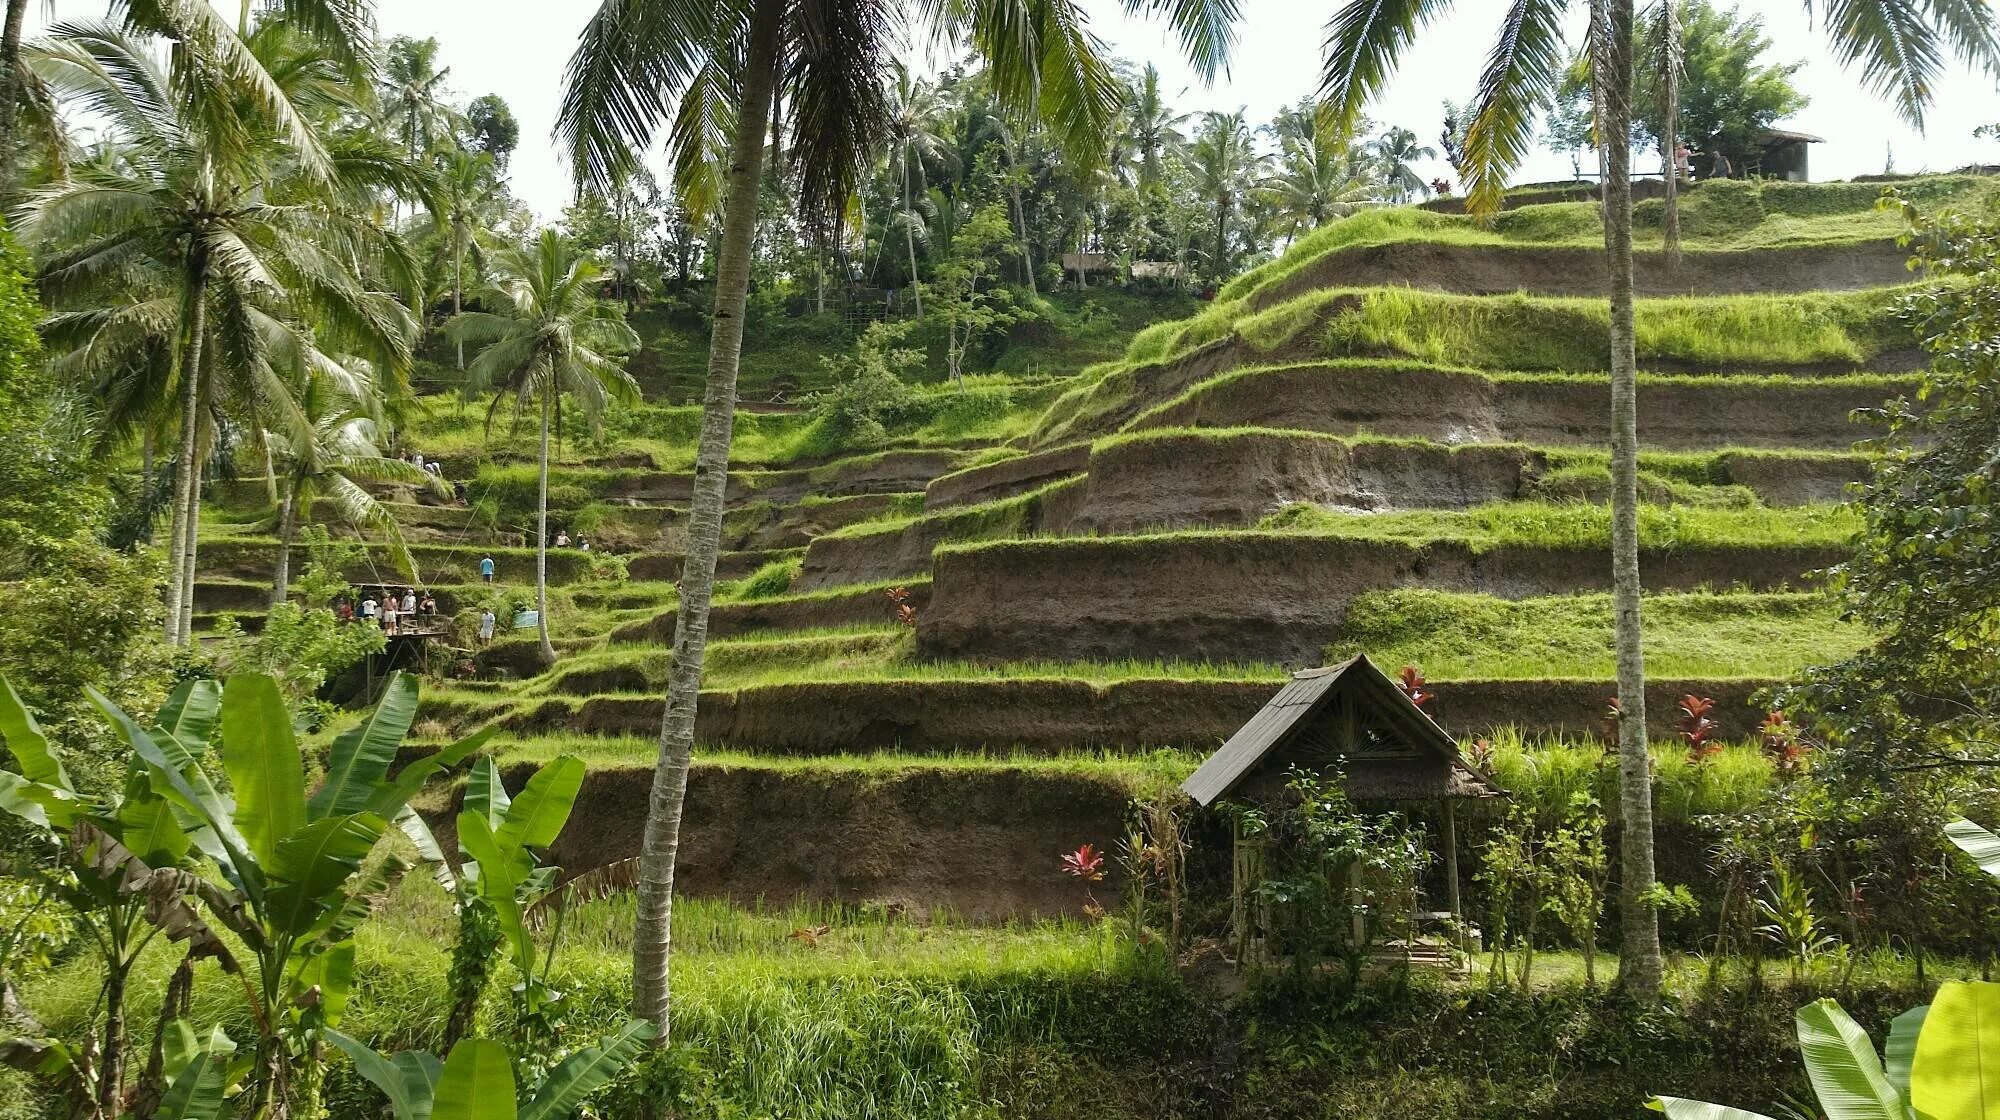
[486, 569]
[486, 621]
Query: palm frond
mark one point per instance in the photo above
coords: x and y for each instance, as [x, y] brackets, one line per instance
[1364, 41]
[1896, 48]
[1522, 72]
[631, 61]
[1207, 29]
[840, 112]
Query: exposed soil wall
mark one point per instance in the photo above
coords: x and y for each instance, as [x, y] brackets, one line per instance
[1005, 478]
[981, 842]
[730, 619]
[1459, 408]
[1581, 271]
[666, 566]
[1054, 716]
[1232, 480]
[837, 561]
[1256, 597]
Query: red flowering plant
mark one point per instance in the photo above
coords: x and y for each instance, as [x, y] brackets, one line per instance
[900, 598]
[1086, 864]
[1411, 681]
[1782, 743]
[1696, 729]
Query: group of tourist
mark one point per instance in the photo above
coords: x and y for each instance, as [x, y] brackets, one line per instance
[394, 613]
[563, 541]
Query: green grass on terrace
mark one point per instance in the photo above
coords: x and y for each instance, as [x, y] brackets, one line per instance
[1531, 333]
[1581, 525]
[1731, 215]
[1698, 635]
[992, 407]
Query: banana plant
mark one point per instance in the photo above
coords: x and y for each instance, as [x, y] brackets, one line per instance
[477, 1081]
[121, 868]
[292, 861]
[499, 878]
[1940, 1062]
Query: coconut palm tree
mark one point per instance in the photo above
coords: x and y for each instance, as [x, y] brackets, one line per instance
[917, 122]
[644, 63]
[1900, 47]
[211, 254]
[1313, 181]
[467, 201]
[413, 94]
[1399, 151]
[1151, 124]
[335, 459]
[550, 340]
[1226, 169]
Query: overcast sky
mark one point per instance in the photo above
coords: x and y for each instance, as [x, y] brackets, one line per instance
[518, 48]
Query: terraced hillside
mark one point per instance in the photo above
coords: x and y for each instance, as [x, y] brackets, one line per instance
[1387, 440]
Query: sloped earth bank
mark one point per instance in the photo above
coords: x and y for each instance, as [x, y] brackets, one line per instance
[1052, 716]
[1452, 407]
[1233, 479]
[982, 843]
[1005, 478]
[1581, 270]
[861, 607]
[1258, 597]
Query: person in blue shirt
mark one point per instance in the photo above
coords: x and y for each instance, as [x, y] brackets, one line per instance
[486, 569]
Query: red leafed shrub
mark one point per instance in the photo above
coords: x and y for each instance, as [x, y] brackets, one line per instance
[1607, 724]
[1411, 681]
[1782, 743]
[1696, 729]
[905, 613]
[1086, 863]
[1481, 753]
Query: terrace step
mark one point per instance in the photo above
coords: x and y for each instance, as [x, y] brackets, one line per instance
[1460, 407]
[1039, 715]
[1575, 270]
[1268, 597]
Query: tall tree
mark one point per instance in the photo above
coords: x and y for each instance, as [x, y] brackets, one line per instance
[551, 341]
[221, 240]
[1154, 128]
[1226, 168]
[334, 458]
[916, 137]
[465, 198]
[1399, 151]
[413, 94]
[643, 62]
[1900, 46]
[1312, 180]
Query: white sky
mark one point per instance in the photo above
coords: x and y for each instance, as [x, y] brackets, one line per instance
[518, 49]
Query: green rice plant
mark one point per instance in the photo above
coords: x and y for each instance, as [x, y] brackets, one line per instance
[1696, 635]
[1578, 525]
[768, 582]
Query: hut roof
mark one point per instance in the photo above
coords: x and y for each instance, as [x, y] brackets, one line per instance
[1311, 691]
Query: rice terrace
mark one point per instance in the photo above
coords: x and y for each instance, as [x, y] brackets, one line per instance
[840, 559]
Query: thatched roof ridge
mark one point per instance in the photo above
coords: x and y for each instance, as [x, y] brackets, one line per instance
[1309, 692]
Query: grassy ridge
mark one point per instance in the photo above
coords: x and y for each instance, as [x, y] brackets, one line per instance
[1532, 333]
[1581, 525]
[1453, 635]
[1733, 214]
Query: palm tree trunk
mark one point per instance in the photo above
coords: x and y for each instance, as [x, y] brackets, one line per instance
[548, 650]
[1670, 96]
[1640, 965]
[653, 935]
[288, 528]
[910, 236]
[1020, 218]
[457, 283]
[187, 483]
[10, 87]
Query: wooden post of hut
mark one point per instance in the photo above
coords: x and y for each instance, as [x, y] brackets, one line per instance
[1352, 717]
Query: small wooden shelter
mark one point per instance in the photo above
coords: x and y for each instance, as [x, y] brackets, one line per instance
[1357, 718]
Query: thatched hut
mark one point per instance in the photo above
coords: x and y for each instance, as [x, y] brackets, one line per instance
[1351, 718]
